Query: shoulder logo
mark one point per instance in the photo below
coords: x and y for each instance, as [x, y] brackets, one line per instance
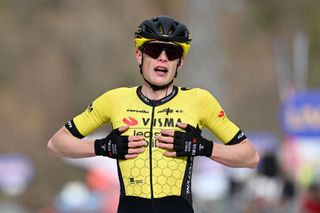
[130, 121]
[221, 114]
[90, 108]
[240, 135]
[70, 124]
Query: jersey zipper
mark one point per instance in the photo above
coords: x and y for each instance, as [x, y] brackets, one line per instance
[150, 153]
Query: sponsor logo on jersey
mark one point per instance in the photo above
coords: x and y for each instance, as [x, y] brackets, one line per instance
[157, 122]
[166, 110]
[146, 135]
[169, 110]
[137, 110]
[161, 122]
[144, 128]
[188, 180]
[130, 121]
[134, 181]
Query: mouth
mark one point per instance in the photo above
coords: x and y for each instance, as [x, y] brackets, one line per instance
[161, 69]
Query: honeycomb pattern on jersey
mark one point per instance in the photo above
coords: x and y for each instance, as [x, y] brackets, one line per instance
[167, 176]
[138, 183]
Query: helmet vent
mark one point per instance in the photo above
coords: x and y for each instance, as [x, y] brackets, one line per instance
[171, 31]
[148, 30]
[160, 29]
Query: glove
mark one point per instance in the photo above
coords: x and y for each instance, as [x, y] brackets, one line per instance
[113, 146]
[191, 143]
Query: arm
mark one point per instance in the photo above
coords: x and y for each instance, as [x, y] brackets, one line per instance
[242, 154]
[64, 144]
[239, 155]
[67, 142]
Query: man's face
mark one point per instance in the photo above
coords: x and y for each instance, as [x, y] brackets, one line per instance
[160, 60]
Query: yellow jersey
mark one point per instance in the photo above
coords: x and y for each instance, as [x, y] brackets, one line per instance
[152, 175]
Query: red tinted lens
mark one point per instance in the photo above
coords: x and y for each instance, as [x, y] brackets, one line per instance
[154, 50]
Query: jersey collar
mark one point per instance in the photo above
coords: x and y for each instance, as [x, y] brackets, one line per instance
[161, 101]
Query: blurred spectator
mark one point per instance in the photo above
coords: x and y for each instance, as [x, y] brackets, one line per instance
[106, 186]
[98, 194]
[75, 197]
[268, 191]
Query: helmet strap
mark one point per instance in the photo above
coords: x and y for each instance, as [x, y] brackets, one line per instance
[178, 65]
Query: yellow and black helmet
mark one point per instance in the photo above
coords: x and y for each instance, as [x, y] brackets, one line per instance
[163, 28]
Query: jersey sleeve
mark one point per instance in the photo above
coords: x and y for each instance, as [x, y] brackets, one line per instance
[215, 119]
[96, 115]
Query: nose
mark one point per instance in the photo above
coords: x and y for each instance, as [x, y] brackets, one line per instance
[163, 56]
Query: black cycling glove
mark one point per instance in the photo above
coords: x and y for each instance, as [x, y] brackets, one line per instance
[114, 145]
[191, 143]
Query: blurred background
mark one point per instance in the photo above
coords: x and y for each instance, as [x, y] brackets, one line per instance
[259, 58]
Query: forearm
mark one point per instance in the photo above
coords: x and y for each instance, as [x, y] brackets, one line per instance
[238, 155]
[64, 144]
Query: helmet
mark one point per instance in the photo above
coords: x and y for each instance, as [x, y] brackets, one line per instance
[163, 28]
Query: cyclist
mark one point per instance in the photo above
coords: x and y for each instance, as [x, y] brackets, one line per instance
[156, 126]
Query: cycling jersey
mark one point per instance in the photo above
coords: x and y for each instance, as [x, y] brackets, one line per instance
[151, 177]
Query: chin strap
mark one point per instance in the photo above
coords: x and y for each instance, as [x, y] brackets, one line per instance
[156, 87]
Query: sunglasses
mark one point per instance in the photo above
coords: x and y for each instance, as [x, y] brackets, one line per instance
[154, 50]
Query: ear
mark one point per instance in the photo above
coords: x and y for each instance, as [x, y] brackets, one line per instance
[180, 62]
[138, 55]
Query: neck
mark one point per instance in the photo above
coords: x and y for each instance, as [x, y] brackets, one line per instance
[152, 94]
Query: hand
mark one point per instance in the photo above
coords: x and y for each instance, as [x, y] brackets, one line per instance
[188, 143]
[120, 147]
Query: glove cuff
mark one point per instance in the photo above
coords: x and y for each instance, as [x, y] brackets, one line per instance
[100, 147]
[208, 147]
